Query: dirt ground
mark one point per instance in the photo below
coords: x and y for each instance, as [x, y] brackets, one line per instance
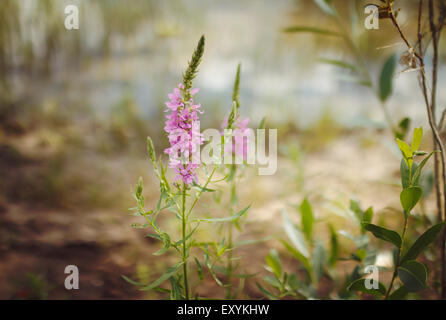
[38, 242]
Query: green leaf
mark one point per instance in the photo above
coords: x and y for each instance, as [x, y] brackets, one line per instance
[409, 197]
[226, 219]
[403, 125]
[366, 218]
[307, 218]
[386, 78]
[422, 242]
[138, 225]
[318, 261]
[417, 173]
[175, 293]
[334, 246]
[273, 261]
[416, 139]
[359, 285]
[300, 257]
[399, 294]
[311, 30]
[268, 294]
[202, 189]
[356, 209]
[413, 274]
[360, 254]
[135, 283]
[384, 234]
[169, 272]
[166, 240]
[273, 281]
[406, 150]
[294, 235]
[154, 236]
[250, 242]
[339, 63]
[405, 172]
[262, 123]
[180, 242]
[199, 268]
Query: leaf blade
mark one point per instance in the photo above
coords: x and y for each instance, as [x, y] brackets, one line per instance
[307, 29]
[422, 242]
[413, 274]
[409, 197]
[384, 234]
[359, 285]
[386, 78]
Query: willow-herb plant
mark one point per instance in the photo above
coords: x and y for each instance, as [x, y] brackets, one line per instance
[411, 273]
[174, 196]
[237, 148]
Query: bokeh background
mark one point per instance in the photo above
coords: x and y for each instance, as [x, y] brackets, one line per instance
[76, 107]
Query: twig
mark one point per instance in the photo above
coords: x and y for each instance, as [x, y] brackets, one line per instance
[441, 122]
[430, 108]
[435, 39]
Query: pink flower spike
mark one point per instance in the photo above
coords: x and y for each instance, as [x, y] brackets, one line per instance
[184, 137]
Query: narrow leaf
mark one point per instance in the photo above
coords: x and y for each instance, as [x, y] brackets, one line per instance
[307, 218]
[334, 246]
[422, 242]
[273, 261]
[386, 78]
[416, 139]
[170, 272]
[294, 235]
[417, 173]
[339, 63]
[384, 234]
[300, 257]
[311, 30]
[226, 219]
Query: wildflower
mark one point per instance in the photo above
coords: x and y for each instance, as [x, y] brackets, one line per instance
[240, 145]
[182, 127]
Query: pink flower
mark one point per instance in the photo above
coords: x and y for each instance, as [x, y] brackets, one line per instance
[240, 145]
[183, 131]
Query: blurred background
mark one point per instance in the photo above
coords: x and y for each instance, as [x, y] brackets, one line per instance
[76, 107]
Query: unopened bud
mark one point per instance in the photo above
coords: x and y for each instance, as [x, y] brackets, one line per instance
[151, 150]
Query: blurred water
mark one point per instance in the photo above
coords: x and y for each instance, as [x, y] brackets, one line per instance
[281, 78]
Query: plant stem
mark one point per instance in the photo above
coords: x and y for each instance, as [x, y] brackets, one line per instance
[201, 191]
[229, 266]
[229, 262]
[184, 255]
[430, 108]
[435, 32]
[395, 271]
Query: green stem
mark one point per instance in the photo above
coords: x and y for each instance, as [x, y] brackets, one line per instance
[229, 266]
[184, 254]
[395, 272]
[229, 262]
[201, 191]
